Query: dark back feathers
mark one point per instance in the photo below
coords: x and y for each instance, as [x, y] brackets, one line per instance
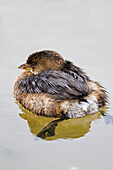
[68, 83]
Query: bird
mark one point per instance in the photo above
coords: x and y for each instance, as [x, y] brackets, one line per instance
[51, 86]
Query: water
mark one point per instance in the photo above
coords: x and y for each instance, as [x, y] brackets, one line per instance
[82, 32]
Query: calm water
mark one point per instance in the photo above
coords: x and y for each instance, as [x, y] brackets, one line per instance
[82, 31]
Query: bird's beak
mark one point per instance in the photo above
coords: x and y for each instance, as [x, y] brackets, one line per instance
[25, 67]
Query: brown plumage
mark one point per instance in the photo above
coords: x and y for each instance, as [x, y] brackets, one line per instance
[57, 88]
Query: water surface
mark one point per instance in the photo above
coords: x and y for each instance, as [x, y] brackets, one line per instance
[82, 32]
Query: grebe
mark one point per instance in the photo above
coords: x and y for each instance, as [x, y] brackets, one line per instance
[53, 87]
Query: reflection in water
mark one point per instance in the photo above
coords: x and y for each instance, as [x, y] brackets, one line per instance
[108, 119]
[49, 130]
[55, 128]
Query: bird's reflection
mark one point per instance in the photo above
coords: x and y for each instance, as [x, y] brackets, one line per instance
[49, 130]
[54, 128]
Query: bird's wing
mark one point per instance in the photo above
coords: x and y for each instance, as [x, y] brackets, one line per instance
[59, 84]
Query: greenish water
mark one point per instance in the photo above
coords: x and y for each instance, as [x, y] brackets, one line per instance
[82, 32]
[54, 128]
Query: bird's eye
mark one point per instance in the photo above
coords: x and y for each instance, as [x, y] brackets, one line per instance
[33, 64]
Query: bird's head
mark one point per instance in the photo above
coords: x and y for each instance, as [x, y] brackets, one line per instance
[43, 60]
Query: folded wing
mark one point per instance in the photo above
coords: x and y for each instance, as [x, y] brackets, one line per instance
[58, 84]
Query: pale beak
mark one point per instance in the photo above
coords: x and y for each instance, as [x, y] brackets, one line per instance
[25, 67]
